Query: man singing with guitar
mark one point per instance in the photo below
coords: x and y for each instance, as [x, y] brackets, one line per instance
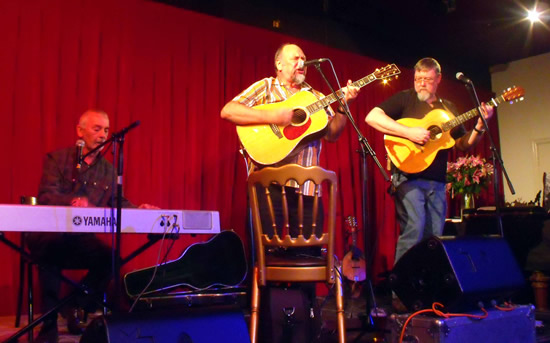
[264, 103]
[418, 175]
[269, 111]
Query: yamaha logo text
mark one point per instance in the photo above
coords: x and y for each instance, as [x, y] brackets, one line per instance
[93, 221]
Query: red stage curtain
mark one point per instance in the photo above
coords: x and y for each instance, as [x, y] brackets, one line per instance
[173, 70]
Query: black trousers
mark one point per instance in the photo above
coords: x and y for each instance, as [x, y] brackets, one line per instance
[71, 251]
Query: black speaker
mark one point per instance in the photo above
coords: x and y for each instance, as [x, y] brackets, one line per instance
[457, 272]
[182, 326]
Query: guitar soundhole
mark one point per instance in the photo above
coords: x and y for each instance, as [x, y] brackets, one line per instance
[435, 132]
[299, 117]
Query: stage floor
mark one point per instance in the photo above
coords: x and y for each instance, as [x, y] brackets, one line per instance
[355, 308]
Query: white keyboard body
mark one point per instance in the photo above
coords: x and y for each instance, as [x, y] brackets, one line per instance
[29, 218]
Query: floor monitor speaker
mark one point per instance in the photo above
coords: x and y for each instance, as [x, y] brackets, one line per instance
[457, 272]
[187, 326]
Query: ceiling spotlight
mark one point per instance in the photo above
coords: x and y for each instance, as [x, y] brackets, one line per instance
[538, 12]
[533, 16]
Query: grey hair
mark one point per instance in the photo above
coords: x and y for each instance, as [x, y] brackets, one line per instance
[428, 63]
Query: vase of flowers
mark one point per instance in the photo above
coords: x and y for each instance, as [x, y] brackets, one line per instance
[468, 176]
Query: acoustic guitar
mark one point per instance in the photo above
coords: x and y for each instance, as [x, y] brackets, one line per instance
[353, 264]
[220, 261]
[268, 144]
[411, 157]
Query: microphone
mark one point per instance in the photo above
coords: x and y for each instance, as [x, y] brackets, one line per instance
[126, 129]
[461, 77]
[79, 146]
[314, 62]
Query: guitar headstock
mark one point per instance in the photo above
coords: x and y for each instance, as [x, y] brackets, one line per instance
[513, 94]
[386, 72]
[351, 223]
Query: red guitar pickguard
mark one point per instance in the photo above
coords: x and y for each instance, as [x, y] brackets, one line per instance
[293, 132]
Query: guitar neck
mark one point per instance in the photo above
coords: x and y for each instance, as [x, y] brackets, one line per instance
[354, 238]
[464, 117]
[352, 226]
[329, 99]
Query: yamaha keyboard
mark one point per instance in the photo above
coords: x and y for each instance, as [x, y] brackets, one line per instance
[29, 218]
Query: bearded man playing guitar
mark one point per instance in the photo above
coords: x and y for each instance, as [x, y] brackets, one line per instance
[249, 108]
[420, 200]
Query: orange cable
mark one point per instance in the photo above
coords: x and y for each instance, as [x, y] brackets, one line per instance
[441, 314]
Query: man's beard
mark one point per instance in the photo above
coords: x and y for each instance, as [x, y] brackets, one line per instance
[423, 95]
[299, 79]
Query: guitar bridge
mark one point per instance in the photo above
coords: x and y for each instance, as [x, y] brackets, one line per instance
[276, 130]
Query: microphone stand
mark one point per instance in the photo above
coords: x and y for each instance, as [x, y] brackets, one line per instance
[117, 140]
[365, 149]
[495, 156]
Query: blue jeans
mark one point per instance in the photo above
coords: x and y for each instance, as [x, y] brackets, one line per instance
[420, 207]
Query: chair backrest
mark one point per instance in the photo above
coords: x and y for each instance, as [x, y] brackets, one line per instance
[304, 234]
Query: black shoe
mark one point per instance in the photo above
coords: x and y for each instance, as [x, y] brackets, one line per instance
[74, 322]
[48, 333]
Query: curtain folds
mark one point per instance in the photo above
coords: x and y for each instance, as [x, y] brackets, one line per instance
[173, 70]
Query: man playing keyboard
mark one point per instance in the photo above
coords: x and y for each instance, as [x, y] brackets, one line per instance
[68, 180]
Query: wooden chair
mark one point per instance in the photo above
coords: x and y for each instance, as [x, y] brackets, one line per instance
[270, 268]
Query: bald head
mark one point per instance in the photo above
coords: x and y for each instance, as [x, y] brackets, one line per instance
[93, 128]
[85, 117]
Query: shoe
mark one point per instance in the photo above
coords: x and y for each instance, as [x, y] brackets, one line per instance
[74, 320]
[48, 333]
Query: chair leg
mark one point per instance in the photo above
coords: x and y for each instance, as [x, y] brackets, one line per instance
[30, 298]
[22, 264]
[340, 307]
[254, 307]
[22, 271]
[539, 283]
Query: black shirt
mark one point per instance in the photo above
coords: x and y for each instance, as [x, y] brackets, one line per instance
[60, 181]
[406, 104]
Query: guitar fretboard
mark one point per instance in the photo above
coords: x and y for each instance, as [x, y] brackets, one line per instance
[329, 99]
[464, 117]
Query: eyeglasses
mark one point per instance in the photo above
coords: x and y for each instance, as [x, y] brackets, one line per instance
[424, 79]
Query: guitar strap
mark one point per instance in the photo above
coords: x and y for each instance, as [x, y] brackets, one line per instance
[269, 95]
[444, 106]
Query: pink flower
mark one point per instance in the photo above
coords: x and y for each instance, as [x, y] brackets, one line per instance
[468, 174]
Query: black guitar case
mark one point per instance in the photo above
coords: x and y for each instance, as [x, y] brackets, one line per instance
[219, 262]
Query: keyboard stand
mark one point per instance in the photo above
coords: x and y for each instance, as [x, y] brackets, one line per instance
[79, 288]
